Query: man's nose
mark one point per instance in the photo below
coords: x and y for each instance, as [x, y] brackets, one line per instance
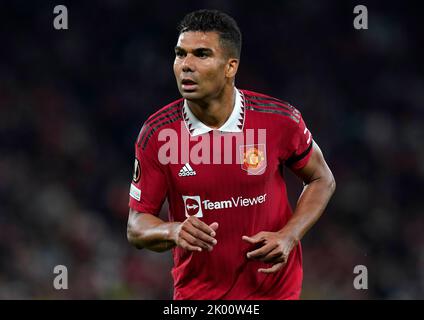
[188, 65]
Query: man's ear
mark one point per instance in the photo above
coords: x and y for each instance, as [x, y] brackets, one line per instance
[232, 67]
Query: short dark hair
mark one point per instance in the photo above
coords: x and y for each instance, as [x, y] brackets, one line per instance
[214, 20]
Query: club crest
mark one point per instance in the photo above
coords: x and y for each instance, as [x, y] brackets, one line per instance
[253, 158]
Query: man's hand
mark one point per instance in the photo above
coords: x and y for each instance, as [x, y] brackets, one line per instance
[194, 235]
[272, 247]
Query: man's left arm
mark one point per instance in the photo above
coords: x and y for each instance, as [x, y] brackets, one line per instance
[275, 247]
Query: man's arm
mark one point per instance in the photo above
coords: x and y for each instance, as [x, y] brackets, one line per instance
[148, 231]
[319, 187]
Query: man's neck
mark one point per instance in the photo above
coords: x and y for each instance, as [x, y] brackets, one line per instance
[215, 112]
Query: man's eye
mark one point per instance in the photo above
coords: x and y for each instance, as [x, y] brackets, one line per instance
[202, 55]
[179, 54]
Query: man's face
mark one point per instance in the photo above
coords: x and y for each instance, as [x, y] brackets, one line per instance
[201, 65]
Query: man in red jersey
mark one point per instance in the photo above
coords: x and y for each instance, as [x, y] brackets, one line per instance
[217, 155]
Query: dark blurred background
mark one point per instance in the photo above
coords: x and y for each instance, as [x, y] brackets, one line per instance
[72, 103]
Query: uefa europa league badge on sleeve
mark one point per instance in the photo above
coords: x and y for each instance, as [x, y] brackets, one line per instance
[137, 171]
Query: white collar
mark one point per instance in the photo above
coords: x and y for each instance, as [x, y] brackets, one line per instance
[234, 123]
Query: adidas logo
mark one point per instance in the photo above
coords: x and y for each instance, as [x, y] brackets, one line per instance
[186, 171]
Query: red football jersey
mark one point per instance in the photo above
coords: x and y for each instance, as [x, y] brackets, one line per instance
[231, 175]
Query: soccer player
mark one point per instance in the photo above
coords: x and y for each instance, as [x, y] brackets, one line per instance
[231, 228]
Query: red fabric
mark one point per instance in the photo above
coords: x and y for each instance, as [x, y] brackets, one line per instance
[225, 272]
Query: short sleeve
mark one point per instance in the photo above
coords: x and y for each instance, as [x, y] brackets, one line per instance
[148, 186]
[300, 145]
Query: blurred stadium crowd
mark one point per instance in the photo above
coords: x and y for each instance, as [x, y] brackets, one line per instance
[72, 103]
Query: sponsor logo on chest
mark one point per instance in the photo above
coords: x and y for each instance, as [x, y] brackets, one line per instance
[194, 206]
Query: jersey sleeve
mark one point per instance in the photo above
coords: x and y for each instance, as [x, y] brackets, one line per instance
[148, 186]
[300, 146]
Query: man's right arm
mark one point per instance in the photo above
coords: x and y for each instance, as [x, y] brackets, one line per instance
[147, 193]
[145, 230]
[148, 231]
